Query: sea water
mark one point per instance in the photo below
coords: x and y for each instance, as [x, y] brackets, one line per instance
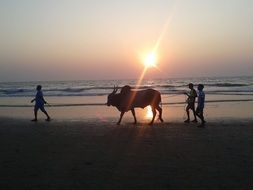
[225, 97]
[94, 92]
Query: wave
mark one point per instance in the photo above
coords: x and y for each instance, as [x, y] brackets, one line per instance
[12, 91]
[228, 85]
[185, 85]
[102, 88]
[80, 92]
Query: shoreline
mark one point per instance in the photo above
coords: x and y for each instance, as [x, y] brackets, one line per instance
[102, 104]
[214, 110]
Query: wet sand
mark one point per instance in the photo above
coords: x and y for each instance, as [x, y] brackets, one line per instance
[96, 154]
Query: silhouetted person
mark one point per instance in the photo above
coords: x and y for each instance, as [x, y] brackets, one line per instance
[201, 103]
[39, 104]
[191, 103]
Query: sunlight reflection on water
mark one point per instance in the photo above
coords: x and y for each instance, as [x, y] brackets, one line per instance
[149, 113]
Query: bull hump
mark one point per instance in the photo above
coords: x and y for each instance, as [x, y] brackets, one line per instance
[125, 90]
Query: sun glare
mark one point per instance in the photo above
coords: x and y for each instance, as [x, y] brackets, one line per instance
[150, 60]
[149, 113]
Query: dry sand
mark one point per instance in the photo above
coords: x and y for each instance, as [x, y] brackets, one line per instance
[90, 154]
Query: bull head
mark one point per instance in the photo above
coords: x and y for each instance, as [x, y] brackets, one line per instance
[110, 96]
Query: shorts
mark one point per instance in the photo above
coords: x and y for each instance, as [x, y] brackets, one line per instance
[41, 107]
[200, 110]
[191, 106]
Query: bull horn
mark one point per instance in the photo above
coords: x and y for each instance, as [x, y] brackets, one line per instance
[117, 88]
[114, 90]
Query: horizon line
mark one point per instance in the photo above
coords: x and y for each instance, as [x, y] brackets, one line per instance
[107, 79]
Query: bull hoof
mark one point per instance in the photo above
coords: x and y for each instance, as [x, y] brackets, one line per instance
[118, 123]
[161, 120]
[151, 123]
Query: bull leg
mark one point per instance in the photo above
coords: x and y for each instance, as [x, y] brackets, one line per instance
[160, 110]
[154, 114]
[121, 115]
[133, 112]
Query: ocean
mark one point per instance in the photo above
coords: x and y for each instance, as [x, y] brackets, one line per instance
[94, 92]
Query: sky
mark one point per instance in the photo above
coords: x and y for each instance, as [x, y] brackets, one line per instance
[94, 40]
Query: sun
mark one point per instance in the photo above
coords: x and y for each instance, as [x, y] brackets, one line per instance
[150, 60]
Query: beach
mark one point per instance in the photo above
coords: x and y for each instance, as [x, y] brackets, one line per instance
[83, 148]
[94, 153]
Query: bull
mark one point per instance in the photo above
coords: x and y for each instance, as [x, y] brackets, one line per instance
[129, 99]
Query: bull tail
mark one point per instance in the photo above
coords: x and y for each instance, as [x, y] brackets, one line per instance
[160, 101]
[160, 109]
